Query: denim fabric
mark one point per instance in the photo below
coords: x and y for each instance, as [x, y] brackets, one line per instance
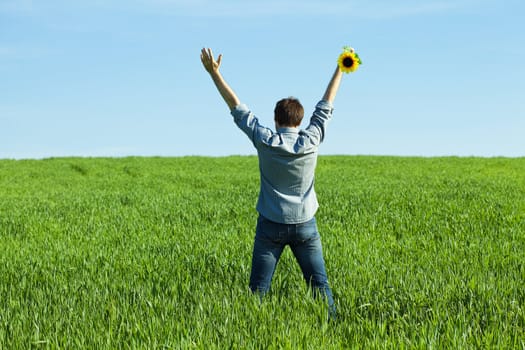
[287, 161]
[304, 240]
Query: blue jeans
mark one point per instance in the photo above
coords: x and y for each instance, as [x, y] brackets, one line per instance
[305, 243]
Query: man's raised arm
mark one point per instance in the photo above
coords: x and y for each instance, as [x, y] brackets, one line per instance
[333, 86]
[212, 67]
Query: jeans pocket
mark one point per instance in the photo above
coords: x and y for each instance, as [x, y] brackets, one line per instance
[307, 231]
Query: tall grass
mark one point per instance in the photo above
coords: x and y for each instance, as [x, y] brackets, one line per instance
[155, 253]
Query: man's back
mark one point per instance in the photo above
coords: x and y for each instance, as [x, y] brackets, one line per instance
[287, 161]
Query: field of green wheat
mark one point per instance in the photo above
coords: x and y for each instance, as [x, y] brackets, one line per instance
[155, 253]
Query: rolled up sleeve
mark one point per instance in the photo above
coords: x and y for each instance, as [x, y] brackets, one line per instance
[249, 124]
[317, 127]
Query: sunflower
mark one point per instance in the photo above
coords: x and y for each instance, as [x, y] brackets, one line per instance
[349, 60]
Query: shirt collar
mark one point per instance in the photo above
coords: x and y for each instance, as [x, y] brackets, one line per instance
[288, 129]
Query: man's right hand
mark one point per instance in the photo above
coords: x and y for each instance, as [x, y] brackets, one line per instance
[209, 62]
[212, 66]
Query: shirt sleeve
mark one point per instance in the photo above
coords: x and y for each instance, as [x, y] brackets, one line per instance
[249, 124]
[317, 127]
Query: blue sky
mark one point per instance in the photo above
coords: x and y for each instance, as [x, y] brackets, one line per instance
[119, 78]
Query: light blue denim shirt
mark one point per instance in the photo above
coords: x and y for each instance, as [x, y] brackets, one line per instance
[287, 161]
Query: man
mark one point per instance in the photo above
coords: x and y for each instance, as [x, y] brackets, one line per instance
[287, 201]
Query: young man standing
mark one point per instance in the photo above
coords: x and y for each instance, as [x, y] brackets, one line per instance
[287, 201]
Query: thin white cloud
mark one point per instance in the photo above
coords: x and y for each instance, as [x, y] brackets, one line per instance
[371, 9]
[16, 6]
[7, 51]
[374, 9]
[23, 52]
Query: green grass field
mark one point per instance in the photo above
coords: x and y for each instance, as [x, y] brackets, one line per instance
[155, 253]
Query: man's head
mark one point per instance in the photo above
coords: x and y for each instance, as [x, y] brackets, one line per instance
[288, 112]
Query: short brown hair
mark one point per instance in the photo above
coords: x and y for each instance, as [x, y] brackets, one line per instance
[289, 112]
